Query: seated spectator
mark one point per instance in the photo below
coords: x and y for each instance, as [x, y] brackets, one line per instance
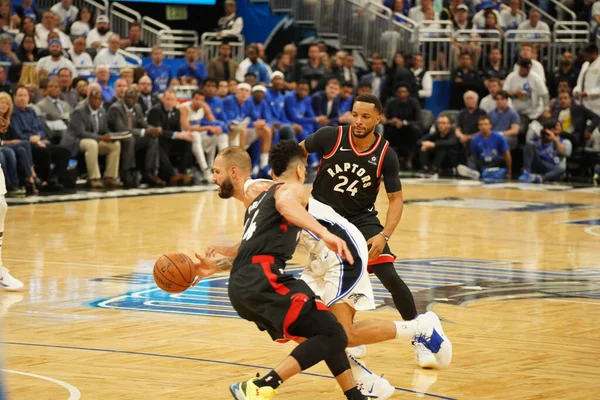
[451, 10]
[479, 18]
[467, 122]
[526, 51]
[349, 73]
[127, 74]
[223, 89]
[259, 112]
[8, 18]
[81, 87]
[313, 71]
[27, 10]
[158, 72]
[147, 99]
[232, 86]
[49, 24]
[214, 101]
[284, 65]
[135, 37]
[252, 63]
[529, 93]
[326, 104]
[27, 52]
[577, 122]
[505, 119]
[192, 69]
[488, 103]
[88, 132]
[587, 90]
[127, 116]
[490, 155]
[119, 90]
[84, 22]
[5, 86]
[378, 79]
[250, 79]
[174, 82]
[100, 34]
[110, 56]
[81, 59]
[299, 110]
[46, 52]
[346, 99]
[222, 67]
[67, 13]
[209, 134]
[27, 28]
[55, 110]
[512, 17]
[50, 65]
[464, 78]
[231, 24]
[544, 153]
[364, 88]
[67, 92]
[276, 99]
[564, 73]
[102, 78]
[26, 126]
[439, 149]
[494, 67]
[175, 144]
[423, 79]
[402, 124]
[533, 23]
[417, 13]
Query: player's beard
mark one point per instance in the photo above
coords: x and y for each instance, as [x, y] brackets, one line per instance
[362, 135]
[226, 189]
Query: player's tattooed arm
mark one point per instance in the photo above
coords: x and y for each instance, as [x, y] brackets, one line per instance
[227, 251]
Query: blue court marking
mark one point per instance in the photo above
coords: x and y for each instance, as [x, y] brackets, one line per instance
[593, 222]
[137, 353]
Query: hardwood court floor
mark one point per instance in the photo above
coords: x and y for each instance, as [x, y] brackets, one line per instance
[519, 290]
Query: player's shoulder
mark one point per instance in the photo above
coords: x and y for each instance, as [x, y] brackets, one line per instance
[291, 191]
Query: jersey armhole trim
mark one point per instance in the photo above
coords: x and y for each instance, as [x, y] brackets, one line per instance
[383, 153]
[337, 143]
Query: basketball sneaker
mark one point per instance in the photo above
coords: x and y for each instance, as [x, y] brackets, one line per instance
[467, 172]
[249, 391]
[8, 282]
[431, 340]
[375, 387]
[358, 351]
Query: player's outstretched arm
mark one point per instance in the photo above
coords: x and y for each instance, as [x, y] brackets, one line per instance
[291, 200]
[205, 267]
[227, 251]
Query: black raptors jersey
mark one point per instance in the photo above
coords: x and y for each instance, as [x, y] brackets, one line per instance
[266, 232]
[348, 180]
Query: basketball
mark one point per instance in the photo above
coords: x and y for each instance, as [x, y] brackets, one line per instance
[174, 272]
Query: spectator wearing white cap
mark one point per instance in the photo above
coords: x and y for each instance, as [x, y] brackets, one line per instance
[110, 55]
[66, 11]
[100, 34]
[53, 63]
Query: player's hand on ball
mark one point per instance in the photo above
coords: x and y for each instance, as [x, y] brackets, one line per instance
[336, 244]
[377, 244]
[204, 268]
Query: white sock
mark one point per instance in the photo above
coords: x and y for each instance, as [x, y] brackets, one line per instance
[198, 151]
[264, 160]
[222, 141]
[359, 369]
[405, 329]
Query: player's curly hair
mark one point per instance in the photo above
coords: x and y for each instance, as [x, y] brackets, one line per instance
[283, 155]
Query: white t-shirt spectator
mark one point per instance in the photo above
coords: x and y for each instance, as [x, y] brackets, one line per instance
[536, 67]
[479, 18]
[48, 64]
[595, 12]
[66, 16]
[80, 28]
[417, 15]
[488, 103]
[95, 36]
[509, 21]
[105, 57]
[82, 62]
[540, 27]
[41, 37]
[535, 90]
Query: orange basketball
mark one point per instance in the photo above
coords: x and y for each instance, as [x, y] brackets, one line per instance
[174, 272]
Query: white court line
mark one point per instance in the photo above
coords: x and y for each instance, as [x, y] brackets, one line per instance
[575, 301]
[72, 264]
[592, 230]
[74, 393]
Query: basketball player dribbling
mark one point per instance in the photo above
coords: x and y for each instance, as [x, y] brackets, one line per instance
[260, 290]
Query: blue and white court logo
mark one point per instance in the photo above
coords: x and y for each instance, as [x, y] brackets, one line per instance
[444, 280]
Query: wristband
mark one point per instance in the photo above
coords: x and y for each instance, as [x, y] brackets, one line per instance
[386, 237]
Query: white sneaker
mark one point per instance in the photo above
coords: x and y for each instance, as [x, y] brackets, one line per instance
[8, 282]
[358, 351]
[467, 172]
[430, 338]
[375, 387]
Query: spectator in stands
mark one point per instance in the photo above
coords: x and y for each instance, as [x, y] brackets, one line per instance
[55, 110]
[489, 149]
[284, 66]
[222, 67]
[467, 122]
[295, 65]
[326, 104]
[363, 88]
[26, 126]
[109, 56]
[192, 69]
[488, 103]
[494, 68]
[223, 89]
[84, 22]
[127, 74]
[6, 53]
[299, 110]
[8, 18]
[563, 86]
[479, 19]
[213, 101]
[102, 78]
[127, 116]
[402, 124]
[595, 18]
[50, 65]
[175, 144]
[348, 72]
[439, 149]
[565, 72]
[543, 154]
[588, 81]
[66, 12]
[422, 78]
[67, 93]
[463, 79]
[147, 99]
[81, 87]
[276, 98]
[527, 51]
[27, 52]
[529, 93]
[449, 12]
[27, 10]
[505, 119]
[158, 72]
[88, 132]
[533, 23]
[346, 99]
[577, 122]
[250, 79]
[134, 39]
[46, 51]
[417, 13]
[512, 17]
[231, 24]
[252, 63]
[233, 83]
[259, 111]
[81, 59]
[378, 79]
[100, 34]
[461, 18]
[400, 73]
[313, 71]
[27, 28]
[119, 90]
[47, 25]
[5, 86]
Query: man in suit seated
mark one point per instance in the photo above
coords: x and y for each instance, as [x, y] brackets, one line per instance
[222, 67]
[175, 145]
[127, 116]
[55, 110]
[120, 89]
[147, 100]
[577, 121]
[88, 132]
[326, 103]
